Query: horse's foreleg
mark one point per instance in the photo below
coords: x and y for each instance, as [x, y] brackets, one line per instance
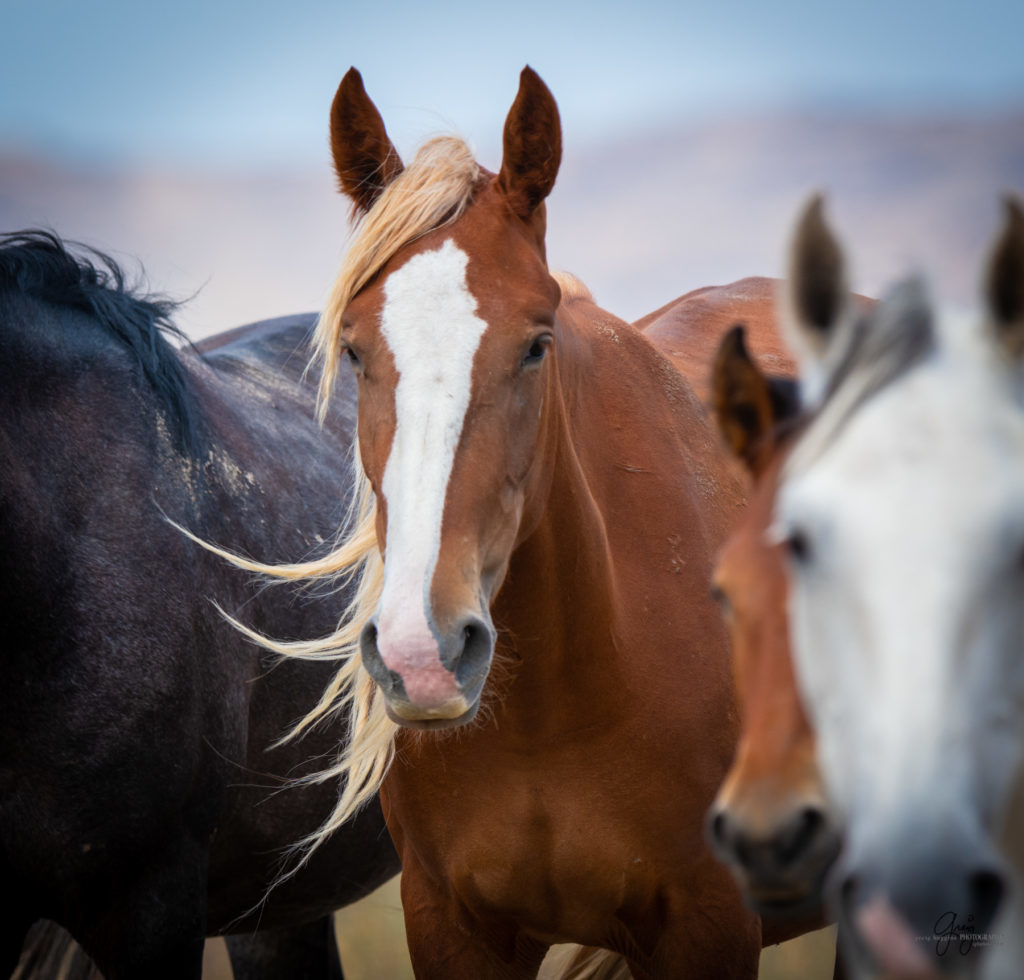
[445, 942]
[306, 952]
[708, 933]
[152, 924]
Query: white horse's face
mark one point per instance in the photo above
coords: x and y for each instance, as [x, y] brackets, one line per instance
[903, 511]
[907, 543]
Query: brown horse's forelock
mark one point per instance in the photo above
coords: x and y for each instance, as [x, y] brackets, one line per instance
[431, 192]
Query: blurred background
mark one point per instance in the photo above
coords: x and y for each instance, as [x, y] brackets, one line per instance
[190, 138]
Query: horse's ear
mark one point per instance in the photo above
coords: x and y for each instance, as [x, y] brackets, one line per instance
[817, 300]
[532, 148]
[743, 402]
[1004, 280]
[364, 158]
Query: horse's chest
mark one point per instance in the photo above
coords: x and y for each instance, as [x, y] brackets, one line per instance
[554, 855]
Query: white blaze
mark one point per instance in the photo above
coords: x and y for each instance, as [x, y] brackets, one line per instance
[429, 322]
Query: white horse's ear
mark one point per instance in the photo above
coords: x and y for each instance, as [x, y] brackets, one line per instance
[1004, 281]
[816, 303]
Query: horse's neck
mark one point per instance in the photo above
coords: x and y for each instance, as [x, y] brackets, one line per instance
[635, 475]
[557, 614]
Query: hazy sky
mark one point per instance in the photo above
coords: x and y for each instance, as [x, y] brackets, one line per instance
[237, 81]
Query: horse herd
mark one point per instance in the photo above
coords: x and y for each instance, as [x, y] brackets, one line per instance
[585, 669]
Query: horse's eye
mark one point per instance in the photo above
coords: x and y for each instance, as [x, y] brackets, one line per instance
[798, 546]
[720, 596]
[353, 357]
[537, 350]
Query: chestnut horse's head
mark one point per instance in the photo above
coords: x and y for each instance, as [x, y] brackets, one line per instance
[446, 310]
[769, 822]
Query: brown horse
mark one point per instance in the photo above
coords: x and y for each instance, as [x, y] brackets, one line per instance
[690, 329]
[770, 821]
[542, 498]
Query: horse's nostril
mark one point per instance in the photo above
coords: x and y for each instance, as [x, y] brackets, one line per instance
[986, 891]
[720, 834]
[849, 894]
[474, 658]
[799, 836]
[389, 682]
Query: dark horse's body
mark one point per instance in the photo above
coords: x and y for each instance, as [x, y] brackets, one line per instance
[136, 786]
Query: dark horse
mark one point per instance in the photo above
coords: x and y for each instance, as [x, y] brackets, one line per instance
[140, 807]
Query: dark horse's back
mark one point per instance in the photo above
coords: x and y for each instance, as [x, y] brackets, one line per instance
[141, 805]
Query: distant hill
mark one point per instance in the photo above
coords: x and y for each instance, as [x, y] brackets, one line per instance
[640, 219]
[655, 216]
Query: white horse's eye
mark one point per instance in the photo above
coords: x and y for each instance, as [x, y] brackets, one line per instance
[798, 545]
[793, 538]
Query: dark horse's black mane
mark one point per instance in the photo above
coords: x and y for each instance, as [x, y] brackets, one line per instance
[41, 265]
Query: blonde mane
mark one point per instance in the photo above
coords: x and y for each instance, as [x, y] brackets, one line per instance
[433, 191]
[573, 289]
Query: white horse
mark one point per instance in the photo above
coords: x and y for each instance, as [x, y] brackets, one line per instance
[902, 508]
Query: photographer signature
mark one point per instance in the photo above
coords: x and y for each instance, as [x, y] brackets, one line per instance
[950, 933]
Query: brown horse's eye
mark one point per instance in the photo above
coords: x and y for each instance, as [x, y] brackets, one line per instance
[353, 357]
[721, 597]
[537, 350]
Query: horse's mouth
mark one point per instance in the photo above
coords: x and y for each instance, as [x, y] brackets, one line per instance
[407, 716]
[790, 902]
[791, 891]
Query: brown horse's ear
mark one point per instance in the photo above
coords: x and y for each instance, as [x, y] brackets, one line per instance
[532, 146]
[742, 401]
[1004, 280]
[364, 158]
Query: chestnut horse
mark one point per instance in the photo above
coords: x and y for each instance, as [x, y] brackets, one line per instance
[900, 510]
[543, 497]
[770, 821]
[690, 329]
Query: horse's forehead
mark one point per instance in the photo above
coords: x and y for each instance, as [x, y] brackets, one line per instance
[449, 289]
[947, 415]
[914, 474]
[429, 316]
[433, 275]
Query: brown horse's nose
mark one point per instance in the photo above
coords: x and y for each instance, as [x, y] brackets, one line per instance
[434, 677]
[787, 859]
